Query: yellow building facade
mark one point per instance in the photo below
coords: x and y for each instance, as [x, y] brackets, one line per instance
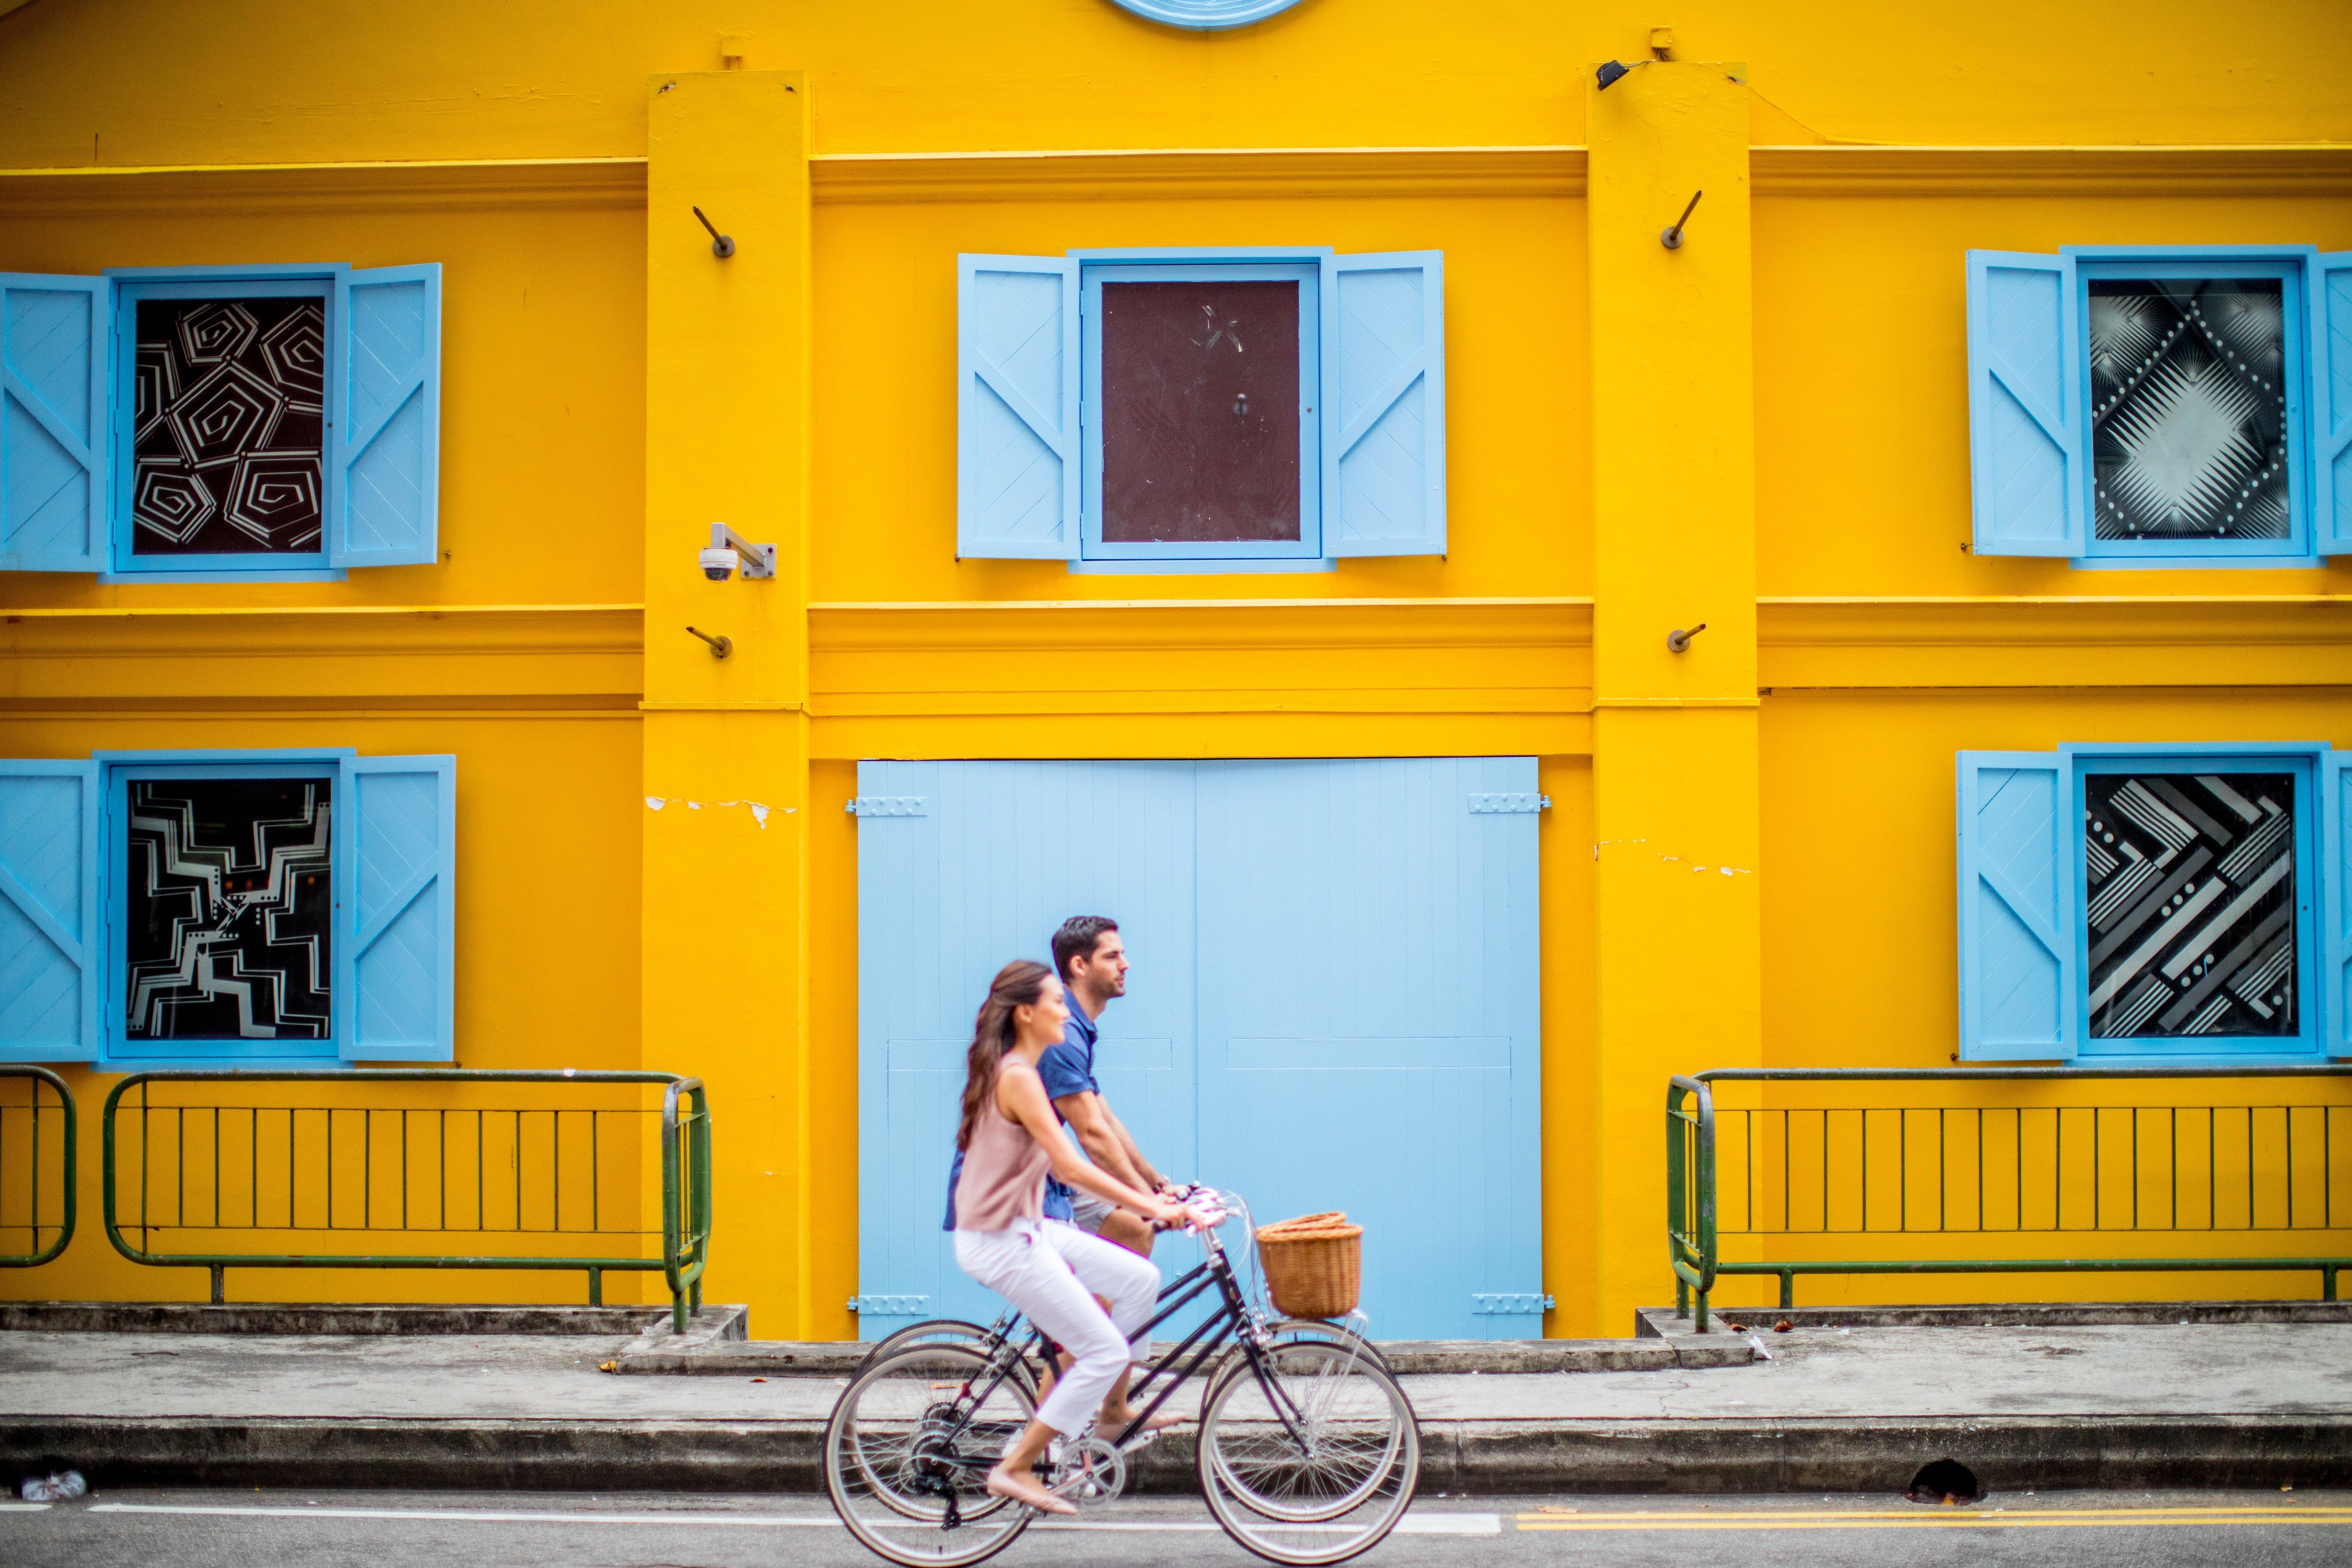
[1749, 854]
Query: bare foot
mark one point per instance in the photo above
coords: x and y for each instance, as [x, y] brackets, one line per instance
[1002, 1482]
[1160, 1423]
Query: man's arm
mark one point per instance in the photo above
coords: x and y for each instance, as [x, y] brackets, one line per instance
[1100, 1135]
[1152, 1180]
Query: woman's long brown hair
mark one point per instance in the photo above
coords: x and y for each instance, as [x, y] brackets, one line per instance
[1019, 984]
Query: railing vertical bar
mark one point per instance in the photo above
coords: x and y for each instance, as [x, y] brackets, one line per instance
[2098, 1169]
[2328, 1167]
[2135, 1167]
[180, 1167]
[2286, 1114]
[595, 1172]
[481, 1174]
[2249, 1167]
[514, 1159]
[1980, 1171]
[555, 1165]
[403, 1167]
[216, 1181]
[2213, 1168]
[1902, 1167]
[36, 1161]
[145, 1163]
[2172, 1146]
[253, 1176]
[1865, 1170]
[330, 1183]
[367, 1167]
[1826, 1172]
[1943, 1176]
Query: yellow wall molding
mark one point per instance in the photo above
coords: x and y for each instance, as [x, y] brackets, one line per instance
[1200, 625]
[1180, 173]
[267, 189]
[2311, 169]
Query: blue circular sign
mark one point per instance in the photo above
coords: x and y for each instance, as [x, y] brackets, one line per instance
[1205, 15]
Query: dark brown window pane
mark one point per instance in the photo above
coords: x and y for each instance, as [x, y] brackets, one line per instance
[230, 414]
[1199, 418]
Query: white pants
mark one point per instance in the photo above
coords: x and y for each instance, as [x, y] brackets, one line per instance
[1053, 1271]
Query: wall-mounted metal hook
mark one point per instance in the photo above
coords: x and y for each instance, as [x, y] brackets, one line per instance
[722, 246]
[721, 647]
[1241, 406]
[1679, 639]
[1671, 236]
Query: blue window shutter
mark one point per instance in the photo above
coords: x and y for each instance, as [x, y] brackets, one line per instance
[2331, 401]
[1384, 404]
[384, 452]
[2017, 908]
[53, 422]
[50, 957]
[1017, 406]
[2335, 902]
[395, 936]
[2027, 433]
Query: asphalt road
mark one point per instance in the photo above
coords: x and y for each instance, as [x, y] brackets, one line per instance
[186, 1529]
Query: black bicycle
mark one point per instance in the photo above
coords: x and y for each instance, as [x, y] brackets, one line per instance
[1306, 1450]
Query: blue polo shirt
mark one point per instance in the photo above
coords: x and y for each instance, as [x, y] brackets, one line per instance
[1067, 1068]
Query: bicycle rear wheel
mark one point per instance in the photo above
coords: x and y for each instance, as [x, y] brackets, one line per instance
[909, 1448]
[1311, 1457]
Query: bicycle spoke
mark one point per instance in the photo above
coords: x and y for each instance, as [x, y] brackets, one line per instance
[909, 1447]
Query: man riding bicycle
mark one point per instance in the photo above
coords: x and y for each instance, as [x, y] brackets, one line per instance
[1091, 960]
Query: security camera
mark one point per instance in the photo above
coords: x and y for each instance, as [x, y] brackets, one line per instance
[730, 549]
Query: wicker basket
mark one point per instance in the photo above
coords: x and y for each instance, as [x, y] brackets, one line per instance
[1314, 1265]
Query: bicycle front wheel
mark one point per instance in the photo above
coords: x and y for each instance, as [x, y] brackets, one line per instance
[1309, 1457]
[909, 1448]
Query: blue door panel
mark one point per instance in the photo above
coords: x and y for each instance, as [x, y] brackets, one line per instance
[1356, 1029]
[1003, 853]
[1369, 1018]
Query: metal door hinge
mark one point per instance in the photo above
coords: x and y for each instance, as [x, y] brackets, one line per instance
[886, 805]
[1510, 802]
[892, 1306]
[1511, 1306]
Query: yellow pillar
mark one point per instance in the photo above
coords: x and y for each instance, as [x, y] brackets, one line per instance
[726, 740]
[1674, 746]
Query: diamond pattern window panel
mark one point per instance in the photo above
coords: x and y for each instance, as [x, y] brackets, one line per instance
[1201, 412]
[2188, 408]
[226, 451]
[227, 909]
[2189, 890]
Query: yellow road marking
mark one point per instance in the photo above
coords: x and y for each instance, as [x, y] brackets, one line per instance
[1934, 1521]
[2297, 1509]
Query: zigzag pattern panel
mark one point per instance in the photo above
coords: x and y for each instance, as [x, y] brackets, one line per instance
[228, 909]
[2190, 882]
[40, 842]
[2188, 408]
[226, 445]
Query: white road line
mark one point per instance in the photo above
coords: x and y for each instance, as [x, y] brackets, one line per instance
[21, 1507]
[1411, 1524]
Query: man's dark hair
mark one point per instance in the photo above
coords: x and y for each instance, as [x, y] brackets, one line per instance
[1077, 939]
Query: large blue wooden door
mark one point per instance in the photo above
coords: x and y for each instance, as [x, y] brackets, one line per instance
[1334, 1003]
[963, 866]
[1367, 1022]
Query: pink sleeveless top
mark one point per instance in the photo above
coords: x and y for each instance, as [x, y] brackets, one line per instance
[1003, 1177]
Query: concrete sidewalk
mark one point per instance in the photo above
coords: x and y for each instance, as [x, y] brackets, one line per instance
[2056, 1401]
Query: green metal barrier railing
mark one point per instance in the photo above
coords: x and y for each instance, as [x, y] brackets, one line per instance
[2109, 1170]
[21, 1147]
[403, 1170]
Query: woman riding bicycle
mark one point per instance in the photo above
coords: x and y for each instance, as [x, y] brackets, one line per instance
[1052, 1272]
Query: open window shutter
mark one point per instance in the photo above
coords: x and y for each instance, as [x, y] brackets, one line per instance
[1017, 406]
[2335, 902]
[48, 912]
[2027, 434]
[2017, 908]
[1384, 404]
[385, 448]
[395, 936]
[2331, 401]
[53, 423]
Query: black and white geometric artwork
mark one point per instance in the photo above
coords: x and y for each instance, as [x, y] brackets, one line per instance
[226, 452]
[2188, 408]
[228, 905]
[2190, 889]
